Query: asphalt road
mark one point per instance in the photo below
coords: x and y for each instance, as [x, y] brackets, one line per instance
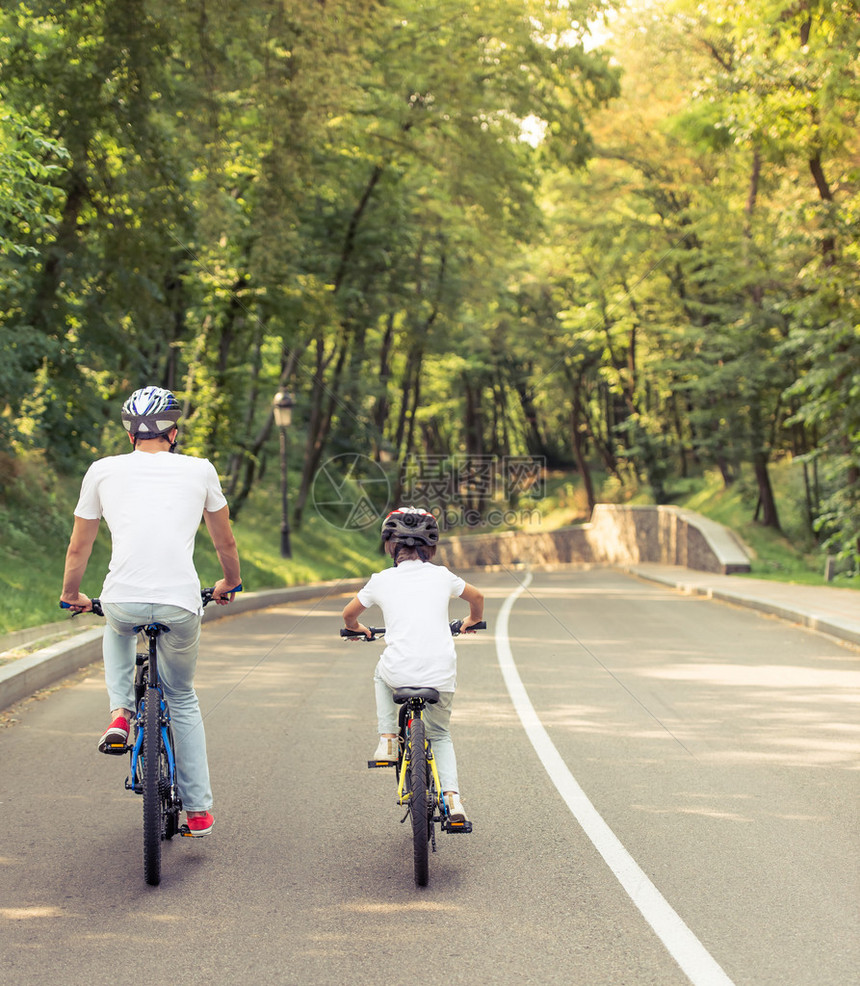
[717, 747]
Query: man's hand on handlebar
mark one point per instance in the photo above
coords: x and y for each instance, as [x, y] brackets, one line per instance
[223, 592]
[79, 603]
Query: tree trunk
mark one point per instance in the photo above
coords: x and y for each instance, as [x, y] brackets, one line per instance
[413, 367]
[324, 395]
[828, 243]
[253, 456]
[534, 439]
[766, 502]
[579, 452]
[381, 407]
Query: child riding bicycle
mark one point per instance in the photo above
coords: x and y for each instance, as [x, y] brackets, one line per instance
[413, 597]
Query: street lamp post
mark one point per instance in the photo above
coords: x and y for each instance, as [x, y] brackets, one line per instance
[282, 405]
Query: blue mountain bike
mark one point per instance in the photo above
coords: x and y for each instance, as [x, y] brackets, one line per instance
[152, 773]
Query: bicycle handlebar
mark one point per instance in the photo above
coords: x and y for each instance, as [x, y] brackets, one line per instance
[96, 610]
[376, 632]
[206, 597]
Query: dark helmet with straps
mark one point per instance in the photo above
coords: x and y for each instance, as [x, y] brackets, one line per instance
[150, 413]
[410, 527]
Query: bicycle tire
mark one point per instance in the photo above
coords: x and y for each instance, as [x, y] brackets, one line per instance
[418, 807]
[152, 794]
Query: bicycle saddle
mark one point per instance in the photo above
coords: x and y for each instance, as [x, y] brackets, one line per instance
[430, 695]
[151, 629]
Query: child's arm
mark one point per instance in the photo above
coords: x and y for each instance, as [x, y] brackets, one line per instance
[351, 613]
[475, 599]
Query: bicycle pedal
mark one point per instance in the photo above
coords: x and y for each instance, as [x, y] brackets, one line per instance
[458, 828]
[115, 749]
[381, 763]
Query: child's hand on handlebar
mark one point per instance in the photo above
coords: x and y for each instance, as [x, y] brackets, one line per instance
[469, 625]
[361, 628]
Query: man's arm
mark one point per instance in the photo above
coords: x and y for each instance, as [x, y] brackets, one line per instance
[78, 554]
[475, 599]
[218, 525]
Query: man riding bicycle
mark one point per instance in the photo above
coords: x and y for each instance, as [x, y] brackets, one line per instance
[152, 502]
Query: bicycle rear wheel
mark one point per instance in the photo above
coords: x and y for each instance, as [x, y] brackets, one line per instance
[152, 800]
[418, 803]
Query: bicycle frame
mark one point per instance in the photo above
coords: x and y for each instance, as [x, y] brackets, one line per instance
[402, 793]
[151, 684]
[414, 709]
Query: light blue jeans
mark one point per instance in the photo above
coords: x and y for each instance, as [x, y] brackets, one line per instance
[177, 661]
[437, 719]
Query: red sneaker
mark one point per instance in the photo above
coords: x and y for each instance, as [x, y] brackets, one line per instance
[200, 825]
[115, 737]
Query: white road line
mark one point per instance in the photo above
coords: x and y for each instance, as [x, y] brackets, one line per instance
[697, 963]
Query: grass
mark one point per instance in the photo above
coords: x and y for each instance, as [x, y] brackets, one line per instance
[789, 555]
[36, 518]
[36, 511]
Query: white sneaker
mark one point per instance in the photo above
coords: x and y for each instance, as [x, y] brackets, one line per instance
[456, 811]
[387, 749]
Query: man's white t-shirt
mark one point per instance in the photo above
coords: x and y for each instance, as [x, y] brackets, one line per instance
[419, 648]
[153, 503]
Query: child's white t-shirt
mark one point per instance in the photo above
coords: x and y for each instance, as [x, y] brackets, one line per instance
[414, 599]
[153, 503]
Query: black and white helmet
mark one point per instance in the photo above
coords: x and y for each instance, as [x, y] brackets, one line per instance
[150, 413]
[410, 527]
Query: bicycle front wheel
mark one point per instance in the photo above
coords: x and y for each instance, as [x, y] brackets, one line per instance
[418, 803]
[152, 802]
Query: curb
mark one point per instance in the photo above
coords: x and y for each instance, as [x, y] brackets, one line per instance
[847, 630]
[22, 677]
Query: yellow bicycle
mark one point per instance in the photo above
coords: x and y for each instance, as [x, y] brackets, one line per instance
[418, 786]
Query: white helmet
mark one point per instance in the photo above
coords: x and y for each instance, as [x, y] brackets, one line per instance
[150, 413]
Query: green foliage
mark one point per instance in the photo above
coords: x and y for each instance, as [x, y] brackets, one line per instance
[31, 168]
[36, 519]
[448, 228]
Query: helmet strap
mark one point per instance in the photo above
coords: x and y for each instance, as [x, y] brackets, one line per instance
[153, 438]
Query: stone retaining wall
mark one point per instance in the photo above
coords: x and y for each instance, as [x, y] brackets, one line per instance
[617, 535]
